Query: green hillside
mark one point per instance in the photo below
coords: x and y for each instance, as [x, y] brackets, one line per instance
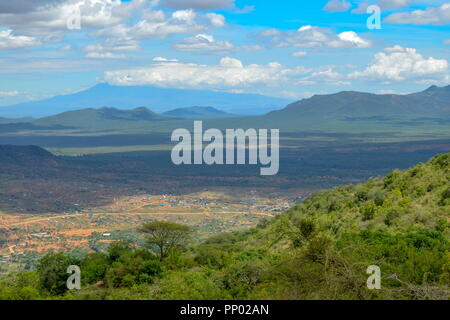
[104, 118]
[319, 249]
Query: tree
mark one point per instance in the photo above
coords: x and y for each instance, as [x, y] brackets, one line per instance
[166, 236]
[52, 272]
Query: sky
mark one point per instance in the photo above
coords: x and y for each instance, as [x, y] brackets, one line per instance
[286, 48]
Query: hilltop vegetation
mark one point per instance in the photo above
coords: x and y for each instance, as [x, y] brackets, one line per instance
[319, 249]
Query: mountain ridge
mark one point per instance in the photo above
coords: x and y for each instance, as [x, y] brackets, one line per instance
[198, 113]
[159, 99]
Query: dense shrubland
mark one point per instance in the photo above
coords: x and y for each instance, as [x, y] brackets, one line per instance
[319, 249]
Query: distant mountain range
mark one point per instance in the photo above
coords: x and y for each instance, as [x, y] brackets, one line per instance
[433, 102]
[106, 118]
[351, 111]
[425, 112]
[157, 99]
[198, 113]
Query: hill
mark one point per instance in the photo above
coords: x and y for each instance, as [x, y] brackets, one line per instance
[351, 109]
[421, 115]
[349, 105]
[159, 99]
[16, 120]
[102, 118]
[425, 114]
[25, 155]
[198, 113]
[319, 249]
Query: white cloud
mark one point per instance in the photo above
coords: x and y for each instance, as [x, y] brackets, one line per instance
[312, 37]
[399, 64]
[207, 43]
[180, 22]
[229, 73]
[299, 54]
[110, 48]
[337, 6]
[197, 4]
[161, 59]
[10, 41]
[434, 16]
[204, 42]
[350, 39]
[105, 55]
[54, 16]
[326, 76]
[447, 41]
[9, 93]
[383, 4]
[217, 20]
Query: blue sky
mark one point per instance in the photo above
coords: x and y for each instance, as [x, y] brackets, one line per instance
[287, 48]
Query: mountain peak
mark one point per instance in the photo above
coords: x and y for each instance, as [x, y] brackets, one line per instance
[432, 88]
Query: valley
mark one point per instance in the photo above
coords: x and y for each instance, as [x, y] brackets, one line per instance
[26, 238]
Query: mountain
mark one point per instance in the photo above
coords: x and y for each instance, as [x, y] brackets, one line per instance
[356, 112]
[198, 113]
[347, 105]
[101, 118]
[159, 99]
[16, 120]
[425, 113]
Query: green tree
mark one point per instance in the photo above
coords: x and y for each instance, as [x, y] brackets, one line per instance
[52, 272]
[166, 236]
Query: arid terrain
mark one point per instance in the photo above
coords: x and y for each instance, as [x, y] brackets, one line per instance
[91, 229]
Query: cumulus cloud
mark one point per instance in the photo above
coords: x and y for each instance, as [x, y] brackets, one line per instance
[383, 4]
[217, 20]
[10, 41]
[394, 4]
[53, 16]
[435, 16]
[179, 22]
[229, 73]
[337, 6]
[399, 64]
[204, 42]
[207, 43]
[312, 37]
[21, 6]
[325, 76]
[197, 4]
